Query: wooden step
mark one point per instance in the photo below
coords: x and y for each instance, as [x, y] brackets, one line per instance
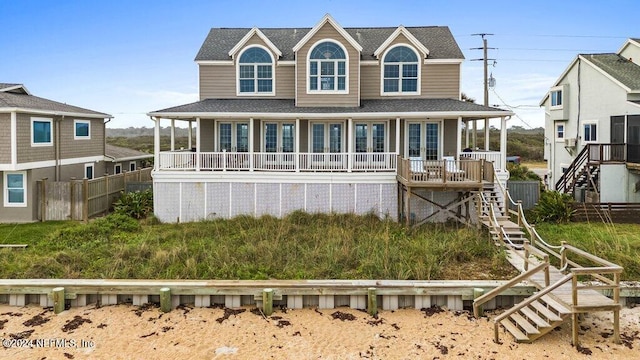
[557, 306]
[545, 312]
[535, 318]
[524, 324]
[513, 330]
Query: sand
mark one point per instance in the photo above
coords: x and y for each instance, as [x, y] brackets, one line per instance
[128, 332]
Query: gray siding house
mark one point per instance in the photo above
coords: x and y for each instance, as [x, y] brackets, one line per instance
[323, 119]
[43, 139]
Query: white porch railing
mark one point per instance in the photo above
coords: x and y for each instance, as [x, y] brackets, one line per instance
[493, 156]
[307, 162]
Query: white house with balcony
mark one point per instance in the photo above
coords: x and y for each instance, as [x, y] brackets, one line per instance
[325, 119]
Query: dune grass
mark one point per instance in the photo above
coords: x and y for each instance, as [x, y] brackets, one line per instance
[300, 246]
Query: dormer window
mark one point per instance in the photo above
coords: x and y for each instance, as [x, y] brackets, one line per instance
[328, 68]
[255, 72]
[400, 71]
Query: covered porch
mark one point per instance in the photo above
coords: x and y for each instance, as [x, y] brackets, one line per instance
[332, 140]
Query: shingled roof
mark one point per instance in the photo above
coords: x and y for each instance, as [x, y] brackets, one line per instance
[438, 39]
[286, 106]
[621, 69]
[25, 101]
[118, 153]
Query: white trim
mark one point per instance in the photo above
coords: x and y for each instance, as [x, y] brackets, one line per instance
[27, 166]
[255, 78]
[559, 88]
[357, 115]
[254, 31]
[557, 82]
[564, 131]
[75, 134]
[626, 44]
[443, 61]
[402, 30]
[286, 63]
[93, 170]
[369, 62]
[54, 113]
[346, 70]
[582, 128]
[400, 92]
[135, 165]
[327, 19]
[51, 131]
[269, 177]
[115, 166]
[214, 62]
[18, 86]
[14, 138]
[633, 103]
[5, 189]
[86, 159]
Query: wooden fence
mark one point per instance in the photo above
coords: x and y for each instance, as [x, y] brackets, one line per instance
[82, 199]
[622, 213]
[526, 191]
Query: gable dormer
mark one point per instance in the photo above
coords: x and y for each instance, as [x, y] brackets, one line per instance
[327, 66]
[631, 50]
[255, 58]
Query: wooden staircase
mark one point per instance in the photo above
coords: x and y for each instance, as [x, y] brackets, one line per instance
[493, 214]
[536, 319]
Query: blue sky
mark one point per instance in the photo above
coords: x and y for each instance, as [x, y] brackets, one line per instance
[127, 58]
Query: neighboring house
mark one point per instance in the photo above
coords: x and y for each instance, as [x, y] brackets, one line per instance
[120, 159]
[43, 139]
[592, 127]
[324, 119]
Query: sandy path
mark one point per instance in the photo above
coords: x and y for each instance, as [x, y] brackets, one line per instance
[118, 332]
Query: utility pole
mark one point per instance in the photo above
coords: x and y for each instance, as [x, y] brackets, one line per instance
[485, 59]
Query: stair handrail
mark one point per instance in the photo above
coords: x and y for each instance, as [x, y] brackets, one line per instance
[495, 226]
[527, 302]
[477, 303]
[572, 170]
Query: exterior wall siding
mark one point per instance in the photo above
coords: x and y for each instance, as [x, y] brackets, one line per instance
[344, 100]
[183, 202]
[27, 153]
[30, 212]
[436, 81]
[71, 148]
[217, 81]
[5, 138]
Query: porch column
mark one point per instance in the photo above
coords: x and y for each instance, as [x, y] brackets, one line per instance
[297, 146]
[474, 135]
[486, 134]
[251, 140]
[190, 134]
[198, 127]
[397, 136]
[503, 143]
[173, 134]
[350, 144]
[459, 137]
[466, 133]
[156, 144]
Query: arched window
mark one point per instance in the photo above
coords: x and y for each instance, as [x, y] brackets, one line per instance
[400, 70]
[255, 75]
[327, 68]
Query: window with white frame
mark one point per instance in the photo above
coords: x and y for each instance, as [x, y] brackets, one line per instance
[41, 131]
[81, 129]
[255, 72]
[132, 166]
[400, 71]
[556, 98]
[88, 171]
[15, 189]
[327, 68]
[590, 132]
[117, 168]
[560, 131]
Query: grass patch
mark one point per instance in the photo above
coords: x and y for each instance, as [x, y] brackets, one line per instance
[300, 246]
[617, 243]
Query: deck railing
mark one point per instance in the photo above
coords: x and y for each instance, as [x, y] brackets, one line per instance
[488, 156]
[443, 171]
[267, 161]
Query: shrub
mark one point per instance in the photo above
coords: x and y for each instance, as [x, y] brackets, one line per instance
[554, 207]
[137, 205]
[521, 173]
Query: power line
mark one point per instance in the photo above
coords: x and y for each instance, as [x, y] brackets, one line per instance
[511, 108]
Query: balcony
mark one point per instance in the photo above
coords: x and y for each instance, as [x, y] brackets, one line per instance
[445, 173]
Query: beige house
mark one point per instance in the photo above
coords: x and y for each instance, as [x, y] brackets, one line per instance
[42, 138]
[323, 119]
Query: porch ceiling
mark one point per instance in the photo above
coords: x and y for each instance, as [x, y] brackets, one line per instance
[286, 108]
